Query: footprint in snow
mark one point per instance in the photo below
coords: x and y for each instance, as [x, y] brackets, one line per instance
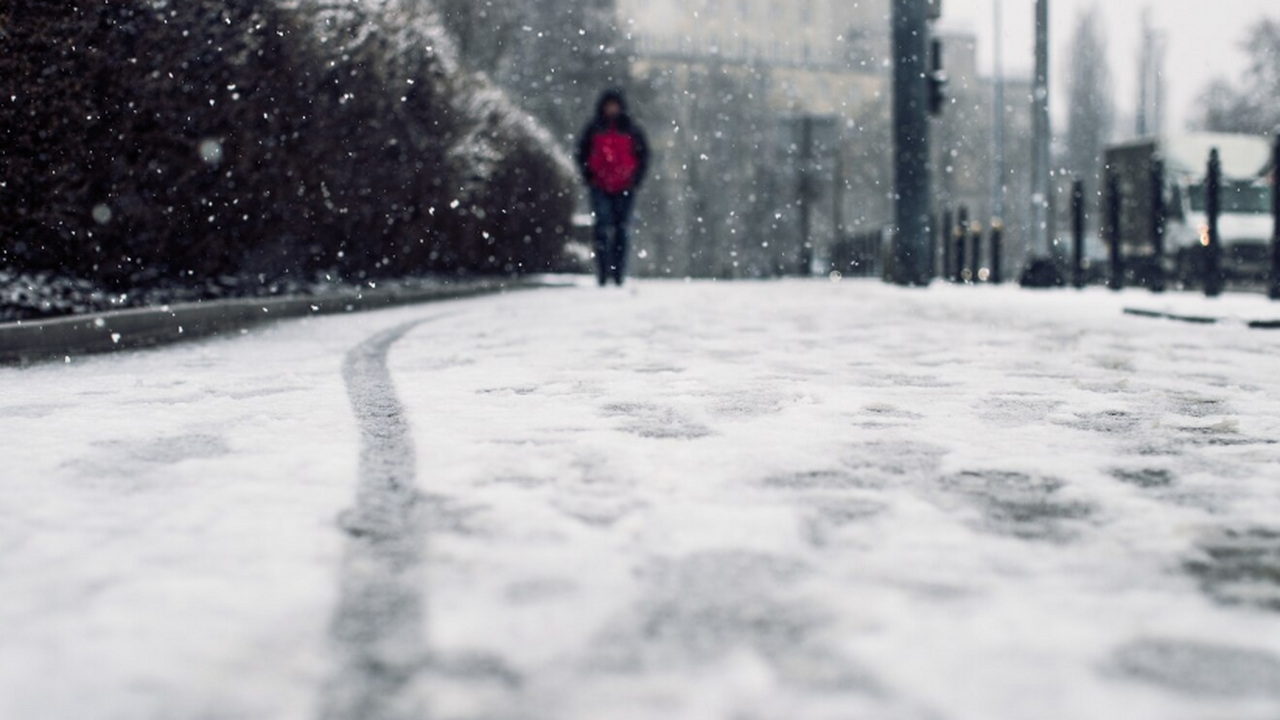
[652, 421]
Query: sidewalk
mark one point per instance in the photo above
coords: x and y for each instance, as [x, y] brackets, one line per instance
[681, 501]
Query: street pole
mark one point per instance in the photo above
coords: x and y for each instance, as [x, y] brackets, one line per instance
[936, 246]
[1144, 72]
[976, 243]
[1077, 232]
[1042, 130]
[911, 141]
[944, 237]
[997, 190]
[1275, 214]
[1213, 280]
[997, 253]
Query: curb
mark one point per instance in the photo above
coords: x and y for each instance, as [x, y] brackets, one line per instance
[1193, 319]
[63, 338]
[1201, 319]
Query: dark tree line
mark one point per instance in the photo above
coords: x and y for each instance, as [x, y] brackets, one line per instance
[143, 140]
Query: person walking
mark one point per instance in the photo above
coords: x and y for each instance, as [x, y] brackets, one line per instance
[613, 155]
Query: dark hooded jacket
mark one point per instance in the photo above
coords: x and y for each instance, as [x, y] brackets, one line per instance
[623, 124]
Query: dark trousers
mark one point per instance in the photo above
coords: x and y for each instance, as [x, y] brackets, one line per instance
[613, 214]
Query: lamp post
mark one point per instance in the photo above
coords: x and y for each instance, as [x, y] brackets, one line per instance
[998, 129]
[1042, 136]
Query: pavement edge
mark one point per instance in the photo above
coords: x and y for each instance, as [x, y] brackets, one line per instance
[38, 341]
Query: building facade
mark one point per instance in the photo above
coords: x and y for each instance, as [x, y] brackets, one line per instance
[777, 32]
[772, 123]
[758, 104]
[965, 156]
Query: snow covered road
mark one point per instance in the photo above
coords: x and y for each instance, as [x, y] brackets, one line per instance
[702, 501]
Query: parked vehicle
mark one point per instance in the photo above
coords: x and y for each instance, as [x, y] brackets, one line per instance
[1245, 225]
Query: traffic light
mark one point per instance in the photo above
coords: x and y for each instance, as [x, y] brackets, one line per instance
[937, 82]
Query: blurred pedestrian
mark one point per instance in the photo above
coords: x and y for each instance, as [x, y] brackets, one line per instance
[613, 155]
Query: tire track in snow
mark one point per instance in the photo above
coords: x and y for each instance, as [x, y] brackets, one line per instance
[378, 625]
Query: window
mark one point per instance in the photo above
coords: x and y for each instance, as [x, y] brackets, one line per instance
[1176, 211]
[1237, 197]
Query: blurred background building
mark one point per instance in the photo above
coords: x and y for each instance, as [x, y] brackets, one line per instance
[964, 145]
[769, 117]
[772, 123]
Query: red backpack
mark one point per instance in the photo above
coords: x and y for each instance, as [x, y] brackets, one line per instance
[613, 161]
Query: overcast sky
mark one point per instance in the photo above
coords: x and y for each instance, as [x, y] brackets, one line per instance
[1204, 38]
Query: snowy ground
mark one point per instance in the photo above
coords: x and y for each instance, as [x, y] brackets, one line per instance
[749, 501]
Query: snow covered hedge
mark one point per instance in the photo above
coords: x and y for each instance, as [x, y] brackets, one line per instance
[146, 139]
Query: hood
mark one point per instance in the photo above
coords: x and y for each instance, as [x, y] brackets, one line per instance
[612, 95]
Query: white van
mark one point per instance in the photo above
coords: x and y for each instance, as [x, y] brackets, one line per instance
[1245, 224]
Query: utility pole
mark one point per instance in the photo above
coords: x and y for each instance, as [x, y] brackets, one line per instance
[1040, 162]
[997, 190]
[1142, 128]
[911, 84]
[1151, 99]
